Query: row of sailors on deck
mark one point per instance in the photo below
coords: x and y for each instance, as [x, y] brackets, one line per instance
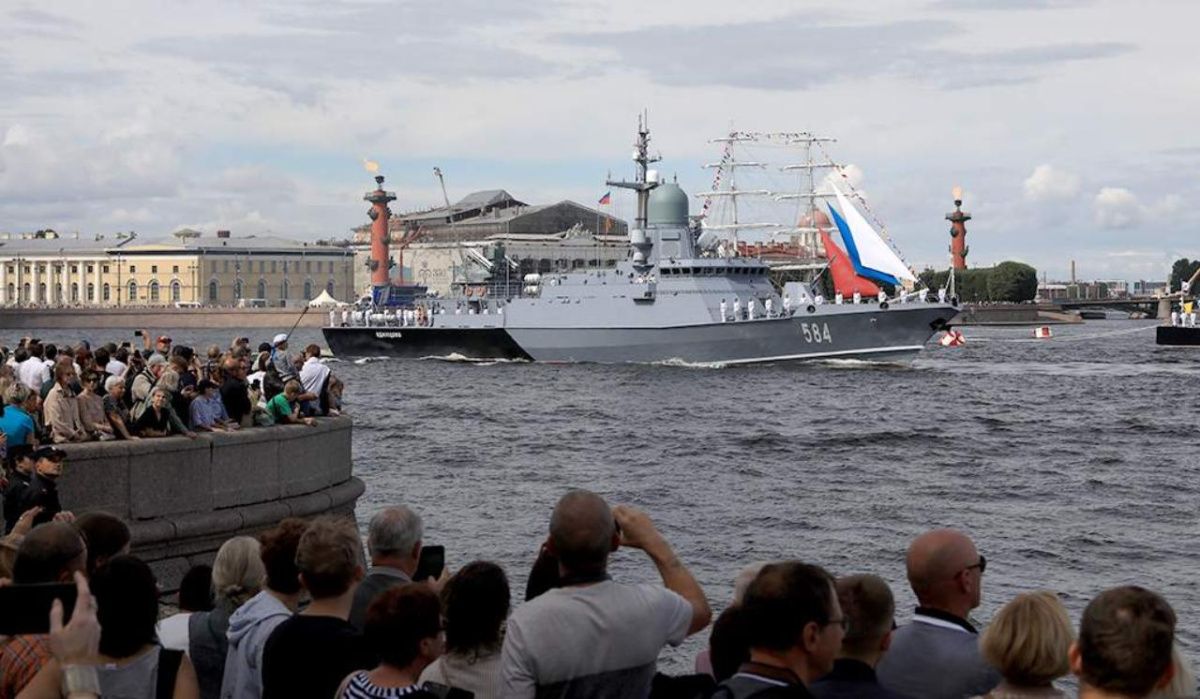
[419, 316]
[1183, 320]
[751, 310]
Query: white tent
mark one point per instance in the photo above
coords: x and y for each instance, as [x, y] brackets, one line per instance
[324, 300]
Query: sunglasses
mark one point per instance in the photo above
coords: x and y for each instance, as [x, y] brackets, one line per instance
[981, 565]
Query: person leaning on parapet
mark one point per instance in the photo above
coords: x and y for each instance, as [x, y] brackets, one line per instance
[314, 379]
[869, 608]
[394, 544]
[144, 382]
[115, 409]
[1124, 648]
[61, 410]
[207, 411]
[17, 421]
[159, 420]
[91, 408]
[253, 622]
[937, 655]
[593, 636]
[51, 553]
[794, 625]
[283, 408]
[235, 394]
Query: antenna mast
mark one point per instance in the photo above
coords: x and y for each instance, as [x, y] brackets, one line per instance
[641, 156]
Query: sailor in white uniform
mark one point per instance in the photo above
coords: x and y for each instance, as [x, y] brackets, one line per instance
[942, 295]
[1175, 319]
[839, 299]
[724, 316]
[737, 308]
[787, 305]
[770, 308]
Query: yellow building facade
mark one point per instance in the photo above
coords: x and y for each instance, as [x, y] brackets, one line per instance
[208, 271]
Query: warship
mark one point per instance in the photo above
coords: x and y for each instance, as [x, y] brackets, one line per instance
[669, 301]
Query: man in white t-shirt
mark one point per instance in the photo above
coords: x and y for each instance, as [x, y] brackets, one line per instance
[592, 636]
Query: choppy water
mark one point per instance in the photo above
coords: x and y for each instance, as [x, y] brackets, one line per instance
[1072, 462]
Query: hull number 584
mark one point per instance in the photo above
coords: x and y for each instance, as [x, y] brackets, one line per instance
[816, 332]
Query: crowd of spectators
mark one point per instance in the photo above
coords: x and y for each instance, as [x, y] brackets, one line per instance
[297, 612]
[59, 395]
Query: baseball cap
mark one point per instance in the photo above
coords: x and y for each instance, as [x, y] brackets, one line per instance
[52, 453]
[281, 337]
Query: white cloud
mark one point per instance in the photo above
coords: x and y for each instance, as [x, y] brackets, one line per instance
[1048, 183]
[1116, 207]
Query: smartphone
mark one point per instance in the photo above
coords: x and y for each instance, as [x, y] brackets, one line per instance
[137, 333]
[25, 609]
[431, 564]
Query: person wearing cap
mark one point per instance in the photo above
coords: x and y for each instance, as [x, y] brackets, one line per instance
[280, 359]
[43, 486]
[207, 412]
[21, 457]
[61, 412]
[161, 347]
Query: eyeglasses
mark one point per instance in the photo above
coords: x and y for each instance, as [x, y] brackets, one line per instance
[981, 565]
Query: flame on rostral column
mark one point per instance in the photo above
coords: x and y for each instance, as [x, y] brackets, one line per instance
[957, 193]
[371, 166]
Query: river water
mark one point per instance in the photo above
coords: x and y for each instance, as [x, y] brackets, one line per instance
[1071, 461]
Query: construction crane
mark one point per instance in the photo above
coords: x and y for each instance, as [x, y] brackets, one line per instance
[437, 172]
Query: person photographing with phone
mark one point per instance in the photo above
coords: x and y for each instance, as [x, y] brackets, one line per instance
[397, 554]
[593, 636]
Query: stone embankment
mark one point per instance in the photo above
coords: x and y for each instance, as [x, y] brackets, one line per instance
[183, 498]
[154, 317]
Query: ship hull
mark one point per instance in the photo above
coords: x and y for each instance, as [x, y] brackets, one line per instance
[873, 335]
[1175, 335]
[419, 342]
[893, 335]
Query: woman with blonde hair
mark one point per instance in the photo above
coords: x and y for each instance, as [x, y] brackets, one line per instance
[238, 574]
[1027, 642]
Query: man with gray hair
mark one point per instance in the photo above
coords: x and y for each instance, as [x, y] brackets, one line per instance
[394, 543]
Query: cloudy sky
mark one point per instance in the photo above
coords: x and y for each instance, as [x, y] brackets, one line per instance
[1070, 124]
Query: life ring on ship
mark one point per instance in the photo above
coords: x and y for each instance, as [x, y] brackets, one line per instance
[812, 308]
[883, 305]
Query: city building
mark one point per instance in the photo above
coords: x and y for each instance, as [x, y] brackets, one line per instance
[461, 244]
[187, 268]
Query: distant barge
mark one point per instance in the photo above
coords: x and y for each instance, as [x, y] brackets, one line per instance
[1177, 335]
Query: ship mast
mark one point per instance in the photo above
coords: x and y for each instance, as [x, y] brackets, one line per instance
[642, 183]
[641, 156]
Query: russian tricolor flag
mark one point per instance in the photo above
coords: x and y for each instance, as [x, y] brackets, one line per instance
[606, 199]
